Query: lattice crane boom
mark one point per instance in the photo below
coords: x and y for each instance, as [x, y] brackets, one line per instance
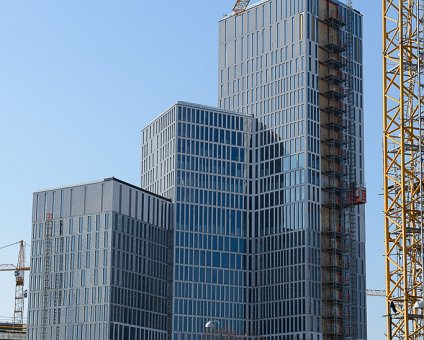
[11, 268]
[403, 124]
[376, 292]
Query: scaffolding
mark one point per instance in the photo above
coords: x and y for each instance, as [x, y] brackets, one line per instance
[58, 277]
[340, 192]
[47, 272]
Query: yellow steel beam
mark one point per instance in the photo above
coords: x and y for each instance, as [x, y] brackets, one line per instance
[403, 173]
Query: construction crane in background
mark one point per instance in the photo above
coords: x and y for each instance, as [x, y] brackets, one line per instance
[376, 292]
[403, 123]
[20, 293]
[240, 6]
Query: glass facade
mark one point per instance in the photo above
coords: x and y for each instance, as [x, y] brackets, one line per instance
[210, 189]
[259, 229]
[272, 62]
[263, 70]
[109, 276]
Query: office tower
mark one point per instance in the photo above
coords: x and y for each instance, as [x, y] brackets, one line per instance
[198, 157]
[100, 263]
[296, 66]
[267, 192]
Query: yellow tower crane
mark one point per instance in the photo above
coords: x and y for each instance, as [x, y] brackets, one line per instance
[20, 294]
[403, 125]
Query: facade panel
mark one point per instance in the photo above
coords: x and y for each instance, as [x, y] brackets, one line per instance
[199, 157]
[265, 235]
[286, 63]
[104, 273]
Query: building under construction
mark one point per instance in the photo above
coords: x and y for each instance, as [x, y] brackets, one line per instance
[296, 66]
[12, 331]
[265, 193]
[343, 246]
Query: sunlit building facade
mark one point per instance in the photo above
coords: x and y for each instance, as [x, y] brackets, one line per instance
[110, 272]
[249, 223]
[296, 67]
[198, 157]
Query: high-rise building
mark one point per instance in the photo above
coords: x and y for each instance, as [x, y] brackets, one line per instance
[199, 157]
[100, 263]
[264, 197]
[293, 69]
[296, 66]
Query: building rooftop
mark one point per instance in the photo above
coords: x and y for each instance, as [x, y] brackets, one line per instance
[197, 106]
[105, 180]
[252, 5]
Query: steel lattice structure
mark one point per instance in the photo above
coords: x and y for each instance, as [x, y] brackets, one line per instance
[20, 295]
[403, 177]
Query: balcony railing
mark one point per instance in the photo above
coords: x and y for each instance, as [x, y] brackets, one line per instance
[335, 61]
[335, 19]
[334, 44]
[334, 76]
[334, 106]
[332, 135]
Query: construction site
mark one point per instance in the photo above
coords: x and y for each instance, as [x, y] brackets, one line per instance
[16, 327]
[340, 197]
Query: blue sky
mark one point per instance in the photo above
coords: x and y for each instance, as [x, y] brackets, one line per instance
[80, 79]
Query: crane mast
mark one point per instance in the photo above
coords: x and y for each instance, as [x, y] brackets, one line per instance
[20, 293]
[18, 315]
[403, 124]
